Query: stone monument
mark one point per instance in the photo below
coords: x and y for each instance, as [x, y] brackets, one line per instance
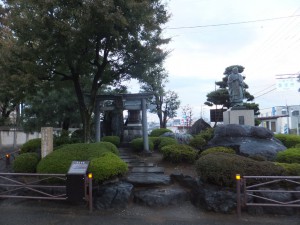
[47, 141]
[237, 114]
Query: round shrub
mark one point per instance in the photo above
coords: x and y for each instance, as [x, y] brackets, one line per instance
[198, 142]
[159, 131]
[217, 149]
[137, 145]
[179, 153]
[165, 141]
[26, 163]
[112, 139]
[156, 141]
[183, 138]
[291, 155]
[207, 134]
[220, 168]
[288, 140]
[60, 160]
[33, 145]
[107, 166]
[292, 169]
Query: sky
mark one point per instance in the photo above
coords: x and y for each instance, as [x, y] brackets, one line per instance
[266, 48]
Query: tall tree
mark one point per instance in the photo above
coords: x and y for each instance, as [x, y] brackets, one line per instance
[166, 102]
[100, 41]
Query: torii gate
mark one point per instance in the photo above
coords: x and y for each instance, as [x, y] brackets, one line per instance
[124, 102]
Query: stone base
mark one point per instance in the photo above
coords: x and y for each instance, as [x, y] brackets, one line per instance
[239, 116]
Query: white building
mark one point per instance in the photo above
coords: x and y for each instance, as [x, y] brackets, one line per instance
[281, 119]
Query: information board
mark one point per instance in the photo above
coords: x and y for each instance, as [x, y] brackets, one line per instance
[79, 167]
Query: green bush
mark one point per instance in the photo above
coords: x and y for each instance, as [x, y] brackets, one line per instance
[33, 145]
[217, 149]
[137, 144]
[207, 134]
[165, 141]
[156, 141]
[112, 139]
[291, 155]
[60, 160]
[292, 169]
[26, 163]
[288, 140]
[297, 145]
[158, 132]
[220, 168]
[107, 166]
[177, 153]
[198, 142]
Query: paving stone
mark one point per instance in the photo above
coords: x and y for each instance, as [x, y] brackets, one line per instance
[148, 179]
[147, 170]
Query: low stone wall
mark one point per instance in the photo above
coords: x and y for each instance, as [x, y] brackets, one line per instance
[14, 138]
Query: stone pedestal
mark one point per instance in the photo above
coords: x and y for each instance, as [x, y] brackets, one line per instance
[133, 128]
[239, 116]
[47, 141]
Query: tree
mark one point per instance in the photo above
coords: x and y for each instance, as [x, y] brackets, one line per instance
[166, 102]
[100, 41]
[220, 96]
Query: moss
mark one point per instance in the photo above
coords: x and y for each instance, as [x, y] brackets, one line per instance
[33, 145]
[217, 149]
[26, 163]
[178, 153]
[112, 139]
[291, 155]
[160, 131]
[220, 168]
[107, 166]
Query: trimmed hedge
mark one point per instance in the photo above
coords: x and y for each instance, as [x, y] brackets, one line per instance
[156, 141]
[60, 160]
[158, 132]
[137, 145]
[292, 169]
[107, 166]
[291, 155]
[165, 141]
[288, 140]
[198, 142]
[220, 168]
[112, 139]
[207, 134]
[33, 145]
[217, 149]
[26, 163]
[178, 153]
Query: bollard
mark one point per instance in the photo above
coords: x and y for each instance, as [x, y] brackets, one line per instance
[238, 196]
[7, 160]
[90, 178]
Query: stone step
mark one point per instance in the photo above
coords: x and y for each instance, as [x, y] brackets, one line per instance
[132, 161]
[147, 179]
[147, 170]
[139, 164]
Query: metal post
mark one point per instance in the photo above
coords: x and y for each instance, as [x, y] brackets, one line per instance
[97, 121]
[238, 190]
[144, 126]
[90, 177]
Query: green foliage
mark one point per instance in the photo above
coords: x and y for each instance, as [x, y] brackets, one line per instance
[78, 134]
[156, 141]
[137, 144]
[158, 132]
[112, 139]
[288, 140]
[33, 145]
[60, 160]
[217, 149]
[207, 134]
[220, 168]
[165, 141]
[107, 166]
[292, 169]
[291, 155]
[178, 153]
[198, 142]
[26, 163]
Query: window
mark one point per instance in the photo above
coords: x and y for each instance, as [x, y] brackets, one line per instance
[295, 113]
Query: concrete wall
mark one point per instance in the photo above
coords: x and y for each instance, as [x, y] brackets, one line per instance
[11, 138]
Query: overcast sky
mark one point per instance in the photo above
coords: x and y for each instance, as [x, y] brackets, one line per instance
[200, 55]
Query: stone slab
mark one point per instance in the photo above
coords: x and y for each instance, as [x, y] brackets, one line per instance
[147, 170]
[148, 179]
[240, 117]
[138, 164]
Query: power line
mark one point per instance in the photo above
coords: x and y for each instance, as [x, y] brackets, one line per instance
[228, 24]
[265, 93]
